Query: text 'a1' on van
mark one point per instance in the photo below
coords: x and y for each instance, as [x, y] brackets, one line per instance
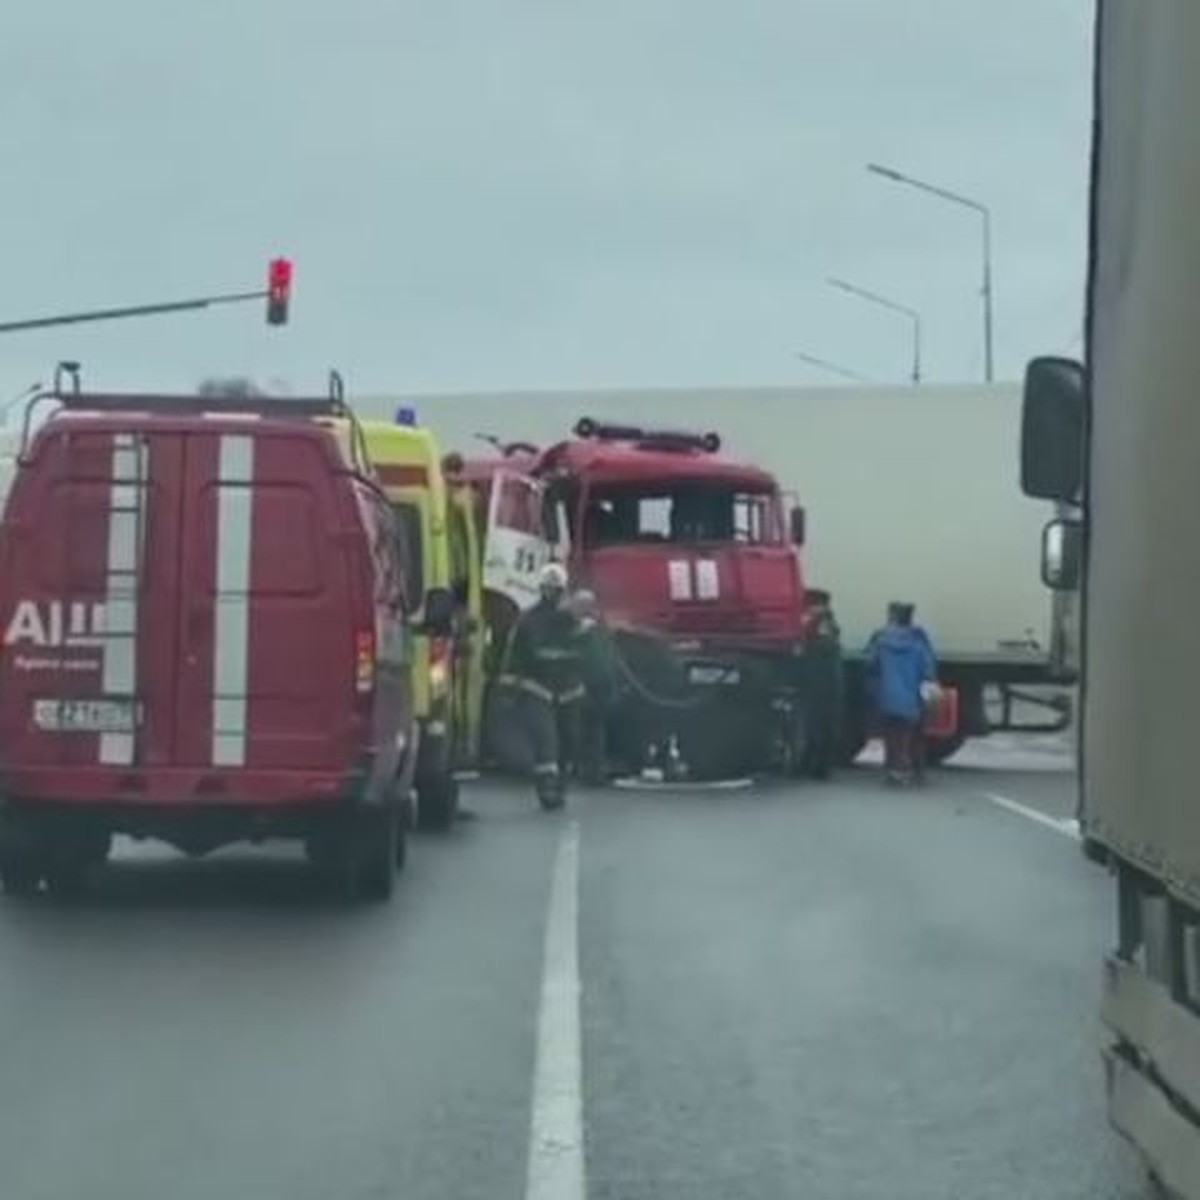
[204, 640]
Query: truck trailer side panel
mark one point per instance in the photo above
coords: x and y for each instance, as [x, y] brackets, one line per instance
[1143, 571]
[1142, 577]
[908, 491]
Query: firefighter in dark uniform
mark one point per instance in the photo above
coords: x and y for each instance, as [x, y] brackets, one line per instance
[598, 672]
[543, 664]
[824, 670]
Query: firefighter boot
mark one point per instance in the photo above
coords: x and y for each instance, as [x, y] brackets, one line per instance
[551, 789]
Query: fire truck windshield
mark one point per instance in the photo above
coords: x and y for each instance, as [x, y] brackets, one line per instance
[683, 512]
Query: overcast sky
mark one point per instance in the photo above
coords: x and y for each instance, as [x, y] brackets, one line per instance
[539, 192]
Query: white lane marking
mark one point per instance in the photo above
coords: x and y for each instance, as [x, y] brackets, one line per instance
[126, 495]
[231, 645]
[556, 1168]
[1067, 826]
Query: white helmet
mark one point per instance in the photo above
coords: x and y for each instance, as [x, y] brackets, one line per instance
[552, 578]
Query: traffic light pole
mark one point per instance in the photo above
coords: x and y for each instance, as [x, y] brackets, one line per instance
[136, 310]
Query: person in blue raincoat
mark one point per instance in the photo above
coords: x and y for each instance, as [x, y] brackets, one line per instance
[900, 659]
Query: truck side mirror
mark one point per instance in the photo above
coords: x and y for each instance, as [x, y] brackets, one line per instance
[1052, 429]
[796, 522]
[1062, 554]
[439, 612]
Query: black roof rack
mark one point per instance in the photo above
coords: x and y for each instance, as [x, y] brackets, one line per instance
[332, 404]
[68, 394]
[267, 406]
[650, 439]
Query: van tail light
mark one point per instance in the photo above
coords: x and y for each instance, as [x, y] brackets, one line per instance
[441, 651]
[364, 662]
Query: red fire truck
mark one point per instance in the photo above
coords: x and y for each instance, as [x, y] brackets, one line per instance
[695, 560]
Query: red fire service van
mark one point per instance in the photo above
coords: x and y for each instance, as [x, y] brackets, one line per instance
[204, 639]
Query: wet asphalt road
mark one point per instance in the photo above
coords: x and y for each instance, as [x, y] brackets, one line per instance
[821, 992]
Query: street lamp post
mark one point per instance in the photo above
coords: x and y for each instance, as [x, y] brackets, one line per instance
[894, 305]
[832, 367]
[986, 216]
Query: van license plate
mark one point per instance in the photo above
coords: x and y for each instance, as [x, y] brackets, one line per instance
[84, 716]
[706, 676]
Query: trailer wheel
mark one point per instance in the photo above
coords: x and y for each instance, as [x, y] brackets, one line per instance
[939, 752]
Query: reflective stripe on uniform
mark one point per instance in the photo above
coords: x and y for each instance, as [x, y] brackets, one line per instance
[546, 768]
[534, 689]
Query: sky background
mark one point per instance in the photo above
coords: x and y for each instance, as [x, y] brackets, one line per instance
[511, 193]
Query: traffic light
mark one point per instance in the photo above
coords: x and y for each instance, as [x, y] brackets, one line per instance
[279, 290]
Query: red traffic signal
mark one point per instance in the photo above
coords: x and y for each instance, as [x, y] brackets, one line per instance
[279, 290]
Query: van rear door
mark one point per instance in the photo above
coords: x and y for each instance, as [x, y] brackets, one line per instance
[273, 570]
[183, 594]
[89, 591]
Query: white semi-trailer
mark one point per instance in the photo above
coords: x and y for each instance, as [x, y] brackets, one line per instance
[1134, 412]
[908, 494]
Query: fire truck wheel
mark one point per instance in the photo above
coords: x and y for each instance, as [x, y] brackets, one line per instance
[793, 749]
[66, 878]
[20, 877]
[818, 758]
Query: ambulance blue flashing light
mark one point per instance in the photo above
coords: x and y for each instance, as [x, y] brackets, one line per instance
[406, 416]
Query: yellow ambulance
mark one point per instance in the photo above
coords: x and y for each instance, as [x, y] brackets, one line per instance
[435, 520]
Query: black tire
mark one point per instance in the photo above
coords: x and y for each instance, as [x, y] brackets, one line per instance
[70, 863]
[437, 802]
[937, 753]
[67, 880]
[721, 746]
[404, 822]
[552, 796]
[818, 758]
[794, 748]
[351, 854]
[379, 833]
[20, 878]
[853, 735]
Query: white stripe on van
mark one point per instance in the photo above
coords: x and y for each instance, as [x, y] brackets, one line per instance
[231, 645]
[119, 648]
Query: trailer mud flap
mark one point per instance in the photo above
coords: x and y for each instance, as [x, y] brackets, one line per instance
[1167, 1141]
[1154, 1073]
